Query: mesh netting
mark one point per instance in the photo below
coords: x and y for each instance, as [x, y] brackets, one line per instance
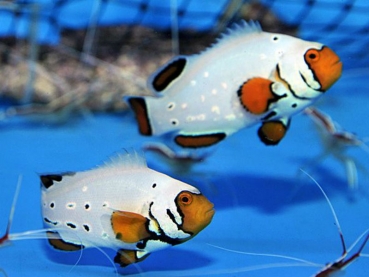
[343, 24]
[138, 35]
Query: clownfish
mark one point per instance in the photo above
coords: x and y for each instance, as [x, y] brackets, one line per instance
[122, 205]
[247, 77]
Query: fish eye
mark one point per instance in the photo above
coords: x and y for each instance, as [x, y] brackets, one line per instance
[185, 198]
[312, 55]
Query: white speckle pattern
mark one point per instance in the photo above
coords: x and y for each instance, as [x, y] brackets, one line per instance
[215, 109]
[230, 117]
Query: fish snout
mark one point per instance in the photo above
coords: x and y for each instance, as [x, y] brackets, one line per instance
[325, 65]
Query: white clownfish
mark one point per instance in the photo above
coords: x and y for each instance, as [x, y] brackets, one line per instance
[247, 77]
[122, 205]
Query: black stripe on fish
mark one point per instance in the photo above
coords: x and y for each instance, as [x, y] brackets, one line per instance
[48, 180]
[163, 237]
[289, 86]
[168, 74]
[49, 221]
[138, 105]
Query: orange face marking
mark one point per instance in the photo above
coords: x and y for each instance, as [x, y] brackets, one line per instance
[139, 107]
[326, 66]
[129, 227]
[256, 95]
[272, 132]
[199, 140]
[197, 211]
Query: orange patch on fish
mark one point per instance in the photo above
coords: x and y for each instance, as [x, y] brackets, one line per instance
[272, 132]
[325, 65]
[256, 95]
[129, 227]
[196, 141]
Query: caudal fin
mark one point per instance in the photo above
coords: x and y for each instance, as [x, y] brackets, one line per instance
[138, 105]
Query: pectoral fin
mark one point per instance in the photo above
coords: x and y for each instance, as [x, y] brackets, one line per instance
[127, 257]
[257, 94]
[129, 227]
[272, 132]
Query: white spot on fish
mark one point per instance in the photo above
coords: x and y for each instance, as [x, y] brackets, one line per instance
[199, 117]
[184, 105]
[214, 91]
[230, 117]
[206, 74]
[215, 109]
[202, 98]
[84, 188]
[193, 83]
[190, 118]
[224, 85]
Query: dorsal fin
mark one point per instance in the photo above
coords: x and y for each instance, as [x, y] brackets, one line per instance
[237, 30]
[127, 158]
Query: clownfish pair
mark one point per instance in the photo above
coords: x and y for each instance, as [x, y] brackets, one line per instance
[247, 77]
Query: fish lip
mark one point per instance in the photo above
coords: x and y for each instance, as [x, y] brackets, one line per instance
[210, 210]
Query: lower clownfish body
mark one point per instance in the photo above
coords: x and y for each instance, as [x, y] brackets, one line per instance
[248, 77]
[122, 205]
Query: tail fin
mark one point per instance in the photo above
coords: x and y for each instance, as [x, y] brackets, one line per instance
[138, 105]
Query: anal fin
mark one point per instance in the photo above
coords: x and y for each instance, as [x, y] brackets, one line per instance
[57, 242]
[196, 141]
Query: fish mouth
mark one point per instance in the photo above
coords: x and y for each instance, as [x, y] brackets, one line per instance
[210, 212]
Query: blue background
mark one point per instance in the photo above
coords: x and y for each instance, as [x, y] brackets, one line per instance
[263, 203]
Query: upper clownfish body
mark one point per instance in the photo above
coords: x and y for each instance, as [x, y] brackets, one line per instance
[122, 205]
[247, 77]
